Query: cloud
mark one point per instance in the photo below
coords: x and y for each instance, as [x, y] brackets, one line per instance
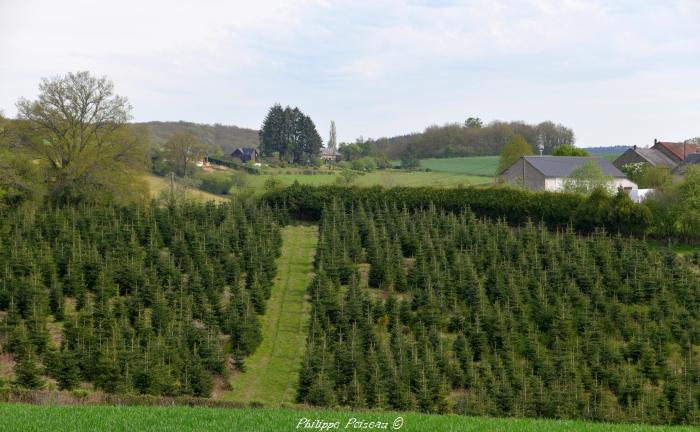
[377, 68]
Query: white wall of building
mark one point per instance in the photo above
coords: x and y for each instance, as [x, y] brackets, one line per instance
[557, 184]
[639, 195]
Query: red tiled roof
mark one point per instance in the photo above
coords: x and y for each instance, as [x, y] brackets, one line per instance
[679, 150]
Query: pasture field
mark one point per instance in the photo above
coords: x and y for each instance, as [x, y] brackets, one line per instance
[272, 372]
[479, 165]
[158, 184]
[607, 156]
[386, 178]
[473, 166]
[49, 418]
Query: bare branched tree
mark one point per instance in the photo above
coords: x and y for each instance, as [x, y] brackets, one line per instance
[182, 149]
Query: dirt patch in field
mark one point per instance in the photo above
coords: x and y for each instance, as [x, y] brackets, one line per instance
[364, 274]
[7, 365]
[55, 333]
[220, 386]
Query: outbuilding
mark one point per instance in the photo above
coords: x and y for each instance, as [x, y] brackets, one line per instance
[245, 154]
[550, 173]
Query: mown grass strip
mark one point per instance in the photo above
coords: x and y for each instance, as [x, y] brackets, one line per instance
[272, 371]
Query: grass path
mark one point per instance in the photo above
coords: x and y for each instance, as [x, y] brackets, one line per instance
[273, 370]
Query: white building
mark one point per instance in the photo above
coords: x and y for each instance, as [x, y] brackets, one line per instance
[550, 173]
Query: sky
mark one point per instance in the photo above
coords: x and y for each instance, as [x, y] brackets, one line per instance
[616, 72]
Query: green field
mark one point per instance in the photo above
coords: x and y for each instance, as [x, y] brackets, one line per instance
[386, 178]
[479, 165]
[158, 184]
[473, 166]
[607, 156]
[272, 372]
[48, 418]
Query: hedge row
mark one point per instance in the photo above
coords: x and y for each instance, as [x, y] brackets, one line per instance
[233, 165]
[55, 397]
[615, 214]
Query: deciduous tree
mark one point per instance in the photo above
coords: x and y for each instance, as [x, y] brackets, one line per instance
[182, 149]
[77, 128]
[514, 150]
[587, 178]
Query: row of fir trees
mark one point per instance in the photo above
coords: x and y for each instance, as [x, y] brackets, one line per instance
[138, 299]
[442, 312]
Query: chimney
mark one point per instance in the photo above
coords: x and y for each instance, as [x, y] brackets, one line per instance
[655, 141]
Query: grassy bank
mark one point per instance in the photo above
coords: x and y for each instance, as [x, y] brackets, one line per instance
[49, 418]
[158, 184]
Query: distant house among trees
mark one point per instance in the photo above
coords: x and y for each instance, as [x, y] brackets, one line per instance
[671, 155]
[551, 173]
[329, 155]
[245, 154]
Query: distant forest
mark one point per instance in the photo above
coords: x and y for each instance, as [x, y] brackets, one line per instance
[613, 149]
[227, 137]
[473, 139]
[449, 140]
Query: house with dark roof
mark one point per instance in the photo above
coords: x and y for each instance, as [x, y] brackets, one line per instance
[663, 153]
[245, 154]
[550, 173]
[649, 156]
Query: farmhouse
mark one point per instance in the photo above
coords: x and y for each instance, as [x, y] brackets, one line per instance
[329, 155]
[245, 154]
[550, 172]
[666, 154]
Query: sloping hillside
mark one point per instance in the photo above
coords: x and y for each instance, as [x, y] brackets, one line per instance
[228, 137]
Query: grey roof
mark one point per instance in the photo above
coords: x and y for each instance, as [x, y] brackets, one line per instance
[562, 166]
[655, 157]
[325, 151]
[692, 158]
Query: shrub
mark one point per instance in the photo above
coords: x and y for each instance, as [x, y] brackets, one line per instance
[366, 164]
[273, 184]
[80, 393]
[221, 182]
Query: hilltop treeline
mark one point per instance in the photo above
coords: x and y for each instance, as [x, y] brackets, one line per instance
[475, 317]
[225, 137]
[616, 214]
[456, 139]
[134, 299]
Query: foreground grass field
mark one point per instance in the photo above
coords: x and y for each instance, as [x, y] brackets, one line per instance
[273, 370]
[48, 418]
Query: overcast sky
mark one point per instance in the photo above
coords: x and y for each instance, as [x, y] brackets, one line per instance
[617, 72]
